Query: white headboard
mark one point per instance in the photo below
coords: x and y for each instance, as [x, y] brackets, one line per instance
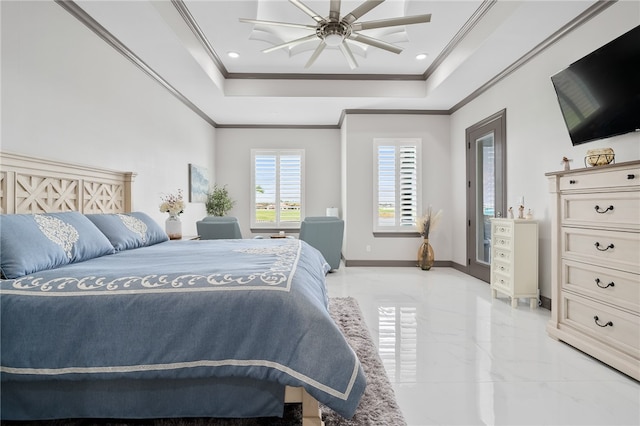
[36, 185]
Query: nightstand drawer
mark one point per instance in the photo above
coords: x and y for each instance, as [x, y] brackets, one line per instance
[612, 249]
[608, 285]
[601, 178]
[613, 327]
[619, 210]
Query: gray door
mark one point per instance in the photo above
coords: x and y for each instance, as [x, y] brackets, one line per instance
[486, 183]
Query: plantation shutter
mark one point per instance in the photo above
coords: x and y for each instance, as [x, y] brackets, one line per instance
[278, 186]
[408, 182]
[290, 187]
[266, 187]
[386, 186]
[397, 185]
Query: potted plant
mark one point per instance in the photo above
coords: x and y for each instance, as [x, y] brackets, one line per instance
[218, 201]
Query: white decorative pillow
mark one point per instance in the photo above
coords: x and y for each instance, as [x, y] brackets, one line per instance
[34, 242]
[130, 230]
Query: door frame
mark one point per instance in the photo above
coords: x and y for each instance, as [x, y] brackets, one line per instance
[496, 123]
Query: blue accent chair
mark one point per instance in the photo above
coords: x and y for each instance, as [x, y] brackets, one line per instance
[218, 228]
[324, 233]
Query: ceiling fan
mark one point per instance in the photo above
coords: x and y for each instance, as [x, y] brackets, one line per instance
[335, 30]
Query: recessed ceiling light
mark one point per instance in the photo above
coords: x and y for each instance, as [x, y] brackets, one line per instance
[233, 54]
[421, 56]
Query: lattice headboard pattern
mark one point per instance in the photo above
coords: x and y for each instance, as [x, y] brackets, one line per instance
[36, 185]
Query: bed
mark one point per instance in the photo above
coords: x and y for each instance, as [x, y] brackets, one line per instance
[103, 317]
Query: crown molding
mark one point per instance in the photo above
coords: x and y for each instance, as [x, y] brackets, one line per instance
[585, 16]
[82, 16]
[183, 10]
[76, 11]
[466, 28]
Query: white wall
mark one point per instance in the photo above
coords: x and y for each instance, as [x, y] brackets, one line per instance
[322, 166]
[536, 135]
[358, 183]
[69, 96]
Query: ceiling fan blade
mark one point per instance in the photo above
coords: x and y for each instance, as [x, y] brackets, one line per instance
[306, 9]
[315, 55]
[346, 51]
[375, 42]
[392, 22]
[291, 43]
[278, 24]
[361, 10]
[334, 10]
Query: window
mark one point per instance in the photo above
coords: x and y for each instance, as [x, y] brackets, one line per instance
[277, 183]
[397, 185]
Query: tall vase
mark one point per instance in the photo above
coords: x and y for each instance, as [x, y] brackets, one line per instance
[425, 255]
[173, 226]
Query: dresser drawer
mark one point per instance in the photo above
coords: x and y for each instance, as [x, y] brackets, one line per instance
[501, 282]
[501, 243]
[608, 285]
[601, 178]
[620, 210]
[612, 249]
[505, 256]
[501, 267]
[616, 328]
[502, 228]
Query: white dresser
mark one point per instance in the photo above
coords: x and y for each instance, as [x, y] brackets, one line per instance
[514, 259]
[595, 262]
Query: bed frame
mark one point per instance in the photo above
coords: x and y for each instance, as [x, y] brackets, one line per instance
[36, 185]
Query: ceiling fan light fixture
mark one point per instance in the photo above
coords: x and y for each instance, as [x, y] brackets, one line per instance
[333, 40]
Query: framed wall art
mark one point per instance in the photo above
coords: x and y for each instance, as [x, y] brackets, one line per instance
[198, 184]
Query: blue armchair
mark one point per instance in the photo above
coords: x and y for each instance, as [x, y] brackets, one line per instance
[217, 228]
[324, 233]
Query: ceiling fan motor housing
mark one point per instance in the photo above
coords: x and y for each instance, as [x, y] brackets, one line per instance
[333, 32]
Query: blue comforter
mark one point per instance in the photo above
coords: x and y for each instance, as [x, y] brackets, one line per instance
[180, 310]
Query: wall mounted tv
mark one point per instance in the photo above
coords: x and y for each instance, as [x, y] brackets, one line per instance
[599, 95]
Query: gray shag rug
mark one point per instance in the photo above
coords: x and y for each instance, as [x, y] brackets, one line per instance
[377, 407]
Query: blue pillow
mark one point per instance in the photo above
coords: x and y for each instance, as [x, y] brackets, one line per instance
[34, 242]
[130, 230]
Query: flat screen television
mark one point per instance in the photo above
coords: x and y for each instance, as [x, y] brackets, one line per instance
[599, 95]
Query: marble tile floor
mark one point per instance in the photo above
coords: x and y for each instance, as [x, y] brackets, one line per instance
[455, 357]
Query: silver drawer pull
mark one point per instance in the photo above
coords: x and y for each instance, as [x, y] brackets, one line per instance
[611, 284]
[603, 211]
[608, 324]
[610, 246]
